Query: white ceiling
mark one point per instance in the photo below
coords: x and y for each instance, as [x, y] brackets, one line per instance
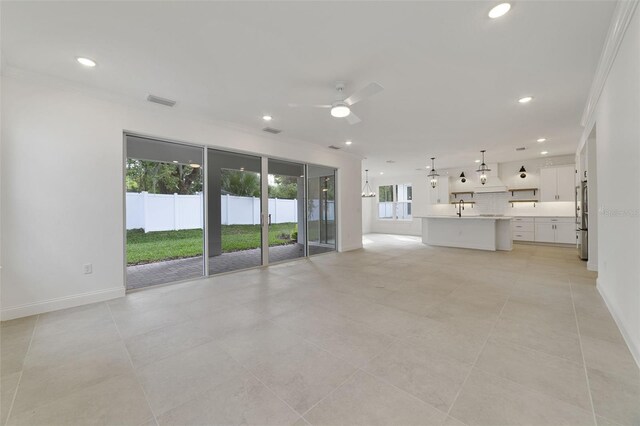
[452, 76]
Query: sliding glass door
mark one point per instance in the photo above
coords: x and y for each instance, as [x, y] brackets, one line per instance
[186, 203]
[321, 209]
[234, 211]
[164, 212]
[286, 211]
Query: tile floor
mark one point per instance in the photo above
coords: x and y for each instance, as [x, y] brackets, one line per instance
[398, 333]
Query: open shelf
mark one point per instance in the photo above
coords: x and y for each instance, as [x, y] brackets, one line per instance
[523, 201]
[456, 193]
[512, 190]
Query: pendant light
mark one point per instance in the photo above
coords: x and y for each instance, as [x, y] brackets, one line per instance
[483, 169]
[433, 174]
[366, 189]
[463, 178]
[523, 172]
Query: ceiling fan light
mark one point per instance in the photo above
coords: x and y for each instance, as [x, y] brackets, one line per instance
[340, 111]
[499, 10]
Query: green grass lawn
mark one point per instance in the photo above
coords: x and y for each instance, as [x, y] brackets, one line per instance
[165, 245]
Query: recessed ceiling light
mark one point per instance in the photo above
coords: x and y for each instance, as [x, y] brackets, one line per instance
[428, 167]
[477, 161]
[86, 62]
[267, 117]
[525, 100]
[544, 152]
[195, 165]
[175, 161]
[499, 10]
[541, 140]
[348, 143]
[381, 173]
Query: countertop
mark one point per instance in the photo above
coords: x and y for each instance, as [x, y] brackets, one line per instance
[467, 217]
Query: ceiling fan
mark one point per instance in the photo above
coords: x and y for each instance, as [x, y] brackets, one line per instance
[341, 108]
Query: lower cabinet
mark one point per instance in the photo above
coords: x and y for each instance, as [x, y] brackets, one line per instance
[544, 229]
[545, 233]
[566, 233]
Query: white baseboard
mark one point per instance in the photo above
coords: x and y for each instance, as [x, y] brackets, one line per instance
[61, 303]
[350, 248]
[592, 266]
[634, 347]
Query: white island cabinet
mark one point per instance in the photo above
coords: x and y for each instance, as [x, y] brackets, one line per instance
[474, 232]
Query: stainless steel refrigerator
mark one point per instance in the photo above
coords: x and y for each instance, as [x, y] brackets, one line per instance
[582, 220]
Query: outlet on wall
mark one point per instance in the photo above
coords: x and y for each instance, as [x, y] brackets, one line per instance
[87, 268]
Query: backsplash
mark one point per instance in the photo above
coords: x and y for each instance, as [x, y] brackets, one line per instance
[491, 203]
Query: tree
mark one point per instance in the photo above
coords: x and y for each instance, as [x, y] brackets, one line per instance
[285, 187]
[162, 178]
[240, 183]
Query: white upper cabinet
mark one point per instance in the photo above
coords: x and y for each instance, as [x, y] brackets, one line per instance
[566, 183]
[439, 194]
[557, 184]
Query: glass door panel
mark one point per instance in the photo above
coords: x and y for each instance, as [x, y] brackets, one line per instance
[321, 209]
[286, 210]
[234, 209]
[164, 212]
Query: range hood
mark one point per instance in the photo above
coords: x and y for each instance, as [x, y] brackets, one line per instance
[494, 184]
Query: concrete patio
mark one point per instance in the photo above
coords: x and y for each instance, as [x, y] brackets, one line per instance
[150, 274]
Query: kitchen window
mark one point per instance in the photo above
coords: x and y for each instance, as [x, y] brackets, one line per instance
[394, 202]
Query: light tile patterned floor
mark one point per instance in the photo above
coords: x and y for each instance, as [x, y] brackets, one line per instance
[398, 333]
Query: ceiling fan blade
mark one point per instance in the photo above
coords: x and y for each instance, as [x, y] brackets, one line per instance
[364, 93]
[352, 118]
[308, 106]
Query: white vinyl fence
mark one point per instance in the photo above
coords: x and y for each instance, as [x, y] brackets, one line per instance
[164, 212]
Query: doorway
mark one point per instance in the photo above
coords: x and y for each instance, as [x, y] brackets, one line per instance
[164, 202]
[321, 209]
[286, 219]
[187, 203]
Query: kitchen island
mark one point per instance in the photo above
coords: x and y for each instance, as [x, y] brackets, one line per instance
[473, 232]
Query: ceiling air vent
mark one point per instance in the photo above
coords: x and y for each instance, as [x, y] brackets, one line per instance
[390, 161]
[271, 130]
[522, 148]
[161, 101]
[334, 147]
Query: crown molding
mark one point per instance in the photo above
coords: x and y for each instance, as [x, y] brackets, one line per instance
[620, 20]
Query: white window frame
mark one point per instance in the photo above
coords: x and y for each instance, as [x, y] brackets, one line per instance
[396, 202]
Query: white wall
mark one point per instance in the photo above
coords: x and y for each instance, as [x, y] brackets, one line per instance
[419, 204]
[592, 199]
[62, 186]
[617, 118]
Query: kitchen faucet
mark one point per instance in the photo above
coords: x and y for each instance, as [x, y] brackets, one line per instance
[460, 208]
